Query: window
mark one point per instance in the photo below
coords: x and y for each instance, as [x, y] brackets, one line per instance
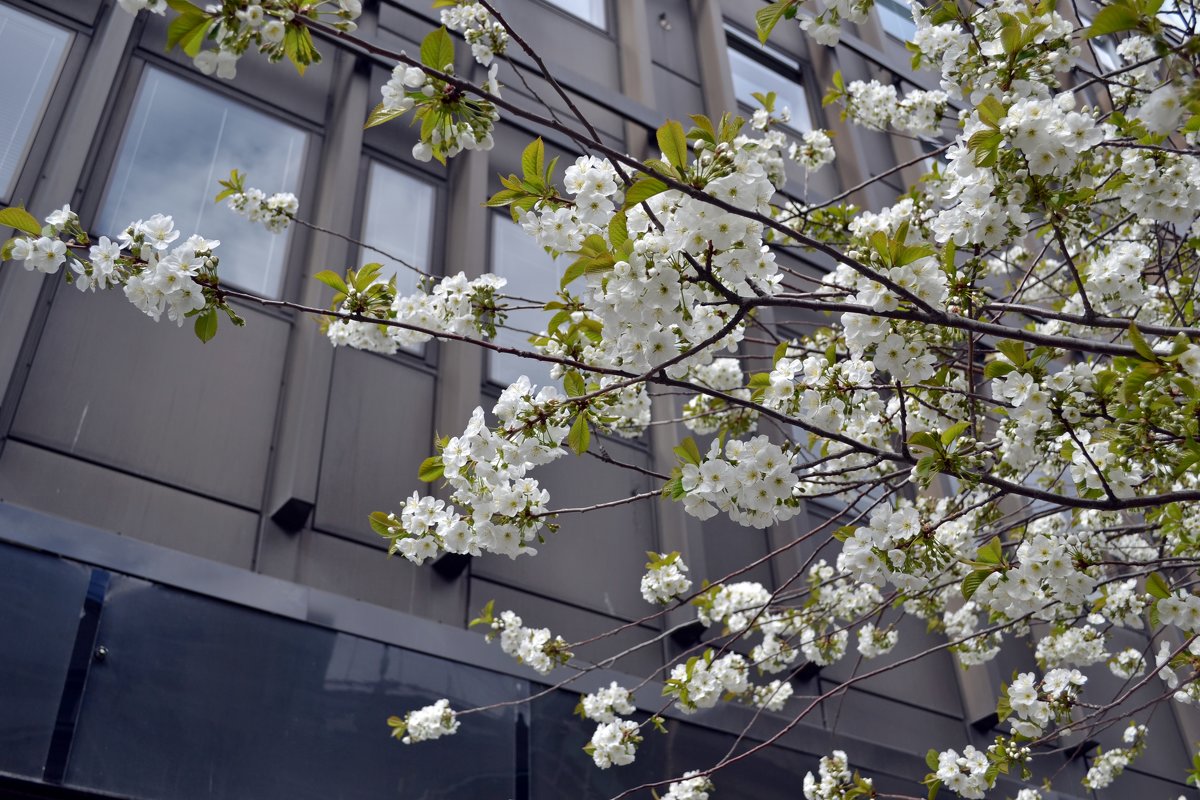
[31, 55]
[399, 221]
[1105, 48]
[179, 141]
[759, 69]
[591, 11]
[896, 18]
[531, 274]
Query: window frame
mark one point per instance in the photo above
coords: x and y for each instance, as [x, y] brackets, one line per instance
[108, 146]
[54, 104]
[603, 26]
[422, 356]
[789, 67]
[892, 13]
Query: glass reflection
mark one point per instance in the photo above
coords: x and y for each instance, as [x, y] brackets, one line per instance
[751, 75]
[590, 10]
[531, 274]
[896, 18]
[399, 221]
[180, 140]
[32, 52]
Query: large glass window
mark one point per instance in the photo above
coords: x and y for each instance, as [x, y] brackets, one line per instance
[896, 18]
[591, 11]
[180, 140]
[761, 70]
[532, 275]
[31, 55]
[399, 221]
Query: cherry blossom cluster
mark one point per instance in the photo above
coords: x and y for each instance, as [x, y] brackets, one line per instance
[1037, 703]
[605, 705]
[706, 414]
[466, 124]
[536, 648]
[966, 774]
[487, 37]
[665, 578]
[693, 787]
[1111, 763]
[275, 211]
[751, 481]
[614, 743]
[425, 724]
[454, 304]
[702, 680]
[834, 779]
[1169, 669]
[877, 105]
[156, 277]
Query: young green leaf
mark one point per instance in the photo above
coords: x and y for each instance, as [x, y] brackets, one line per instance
[437, 50]
[579, 436]
[673, 143]
[17, 217]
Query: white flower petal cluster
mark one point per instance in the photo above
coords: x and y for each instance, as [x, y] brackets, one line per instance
[702, 680]
[874, 641]
[275, 212]
[471, 129]
[1036, 704]
[1129, 663]
[1051, 135]
[604, 705]
[772, 696]
[878, 105]
[751, 481]
[533, 647]
[1187, 693]
[454, 304]
[1110, 763]
[705, 414]
[484, 33]
[966, 774]
[428, 723]
[665, 579]
[1072, 647]
[693, 787]
[614, 743]
[1181, 609]
[834, 779]
[813, 151]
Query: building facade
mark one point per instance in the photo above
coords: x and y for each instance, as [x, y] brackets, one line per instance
[193, 602]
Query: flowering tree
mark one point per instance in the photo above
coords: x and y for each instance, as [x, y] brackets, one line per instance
[1018, 331]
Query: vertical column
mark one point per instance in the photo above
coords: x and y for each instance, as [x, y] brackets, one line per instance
[292, 487]
[716, 80]
[637, 67]
[58, 184]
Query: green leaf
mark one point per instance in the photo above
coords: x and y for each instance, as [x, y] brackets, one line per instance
[298, 46]
[431, 469]
[437, 50]
[573, 384]
[192, 40]
[689, 452]
[1157, 586]
[1112, 19]
[997, 369]
[17, 217]
[533, 159]
[673, 143]
[382, 524]
[1140, 344]
[765, 19]
[973, 581]
[332, 280]
[991, 111]
[991, 553]
[579, 437]
[953, 432]
[931, 759]
[1010, 33]
[381, 115]
[780, 351]
[206, 325]
[618, 229]
[1136, 380]
[1014, 351]
[643, 189]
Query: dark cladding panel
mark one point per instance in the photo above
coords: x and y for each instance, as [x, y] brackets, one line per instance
[566, 40]
[109, 384]
[199, 700]
[379, 430]
[104, 498]
[366, 573]
[676, 97]
[596, 559]
[673, 39]
[729, 546]
[878, 719]
[40, 600]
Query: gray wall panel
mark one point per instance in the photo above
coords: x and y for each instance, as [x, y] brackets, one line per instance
[596, 559]
[676, 98]
[379, 430]
[878, 719]
[573, 624]
[365, 573]
[560, 38]
[729, 546]
[673, 37]
[67, 487]
[111, 385]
